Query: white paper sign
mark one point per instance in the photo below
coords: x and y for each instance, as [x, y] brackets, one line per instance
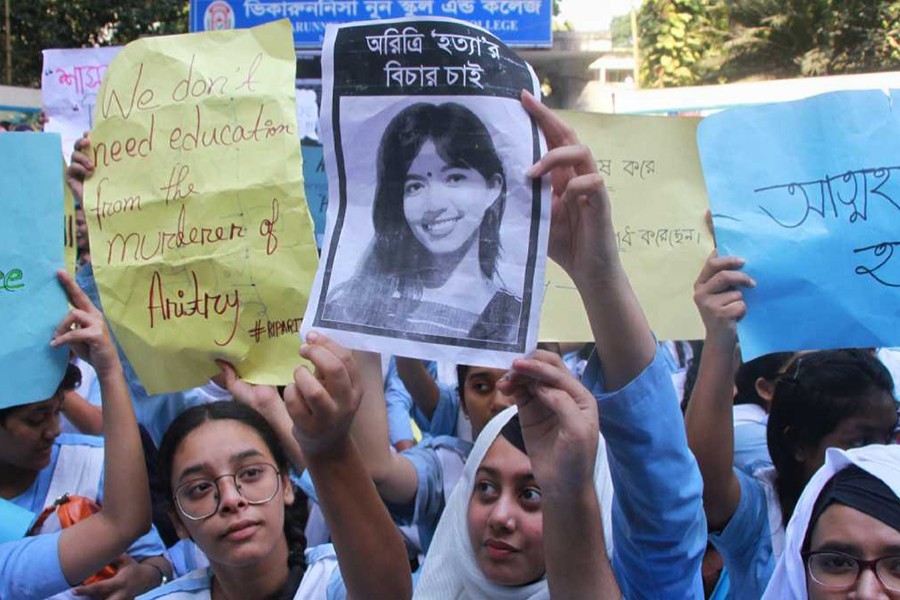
[69, 85]
[435, 237]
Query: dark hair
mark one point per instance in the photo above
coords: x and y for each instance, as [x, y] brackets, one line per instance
[397, 259]
[768, 367]
[858, 489]
[512, 433]
[71, 380]
[295, 515]
[817, 392]
[461, 372]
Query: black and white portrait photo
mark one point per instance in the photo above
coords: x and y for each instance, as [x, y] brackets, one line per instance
[435, 230]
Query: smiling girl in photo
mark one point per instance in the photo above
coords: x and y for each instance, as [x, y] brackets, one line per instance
[439, 202]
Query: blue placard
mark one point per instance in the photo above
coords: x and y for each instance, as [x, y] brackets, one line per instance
[520, 23]
[315, 184]
[32, 302]
[808, 193]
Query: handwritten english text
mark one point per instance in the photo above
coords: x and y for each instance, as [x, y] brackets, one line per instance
[190, 302]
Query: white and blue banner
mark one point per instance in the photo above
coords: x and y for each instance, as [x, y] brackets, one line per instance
[518, 23]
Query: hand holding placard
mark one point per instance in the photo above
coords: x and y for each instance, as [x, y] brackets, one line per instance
[808, 192]
[31, 300]
[202, 244]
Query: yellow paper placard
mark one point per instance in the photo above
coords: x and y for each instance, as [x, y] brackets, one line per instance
[652, 171]
[201, 241]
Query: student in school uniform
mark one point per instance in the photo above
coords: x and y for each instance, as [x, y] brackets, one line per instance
[525, 520]
[656, 520]
[228, 477]
[43, 565]
[843, 539]
[827, 399]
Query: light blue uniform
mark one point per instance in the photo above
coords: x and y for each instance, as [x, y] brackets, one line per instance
[746, 542]
[446, 414]
[35, 498]
[154, 412]
[186, 557]
[322, 580]
[400, 407]
[659, 527]
[438, 462]
[30, 568]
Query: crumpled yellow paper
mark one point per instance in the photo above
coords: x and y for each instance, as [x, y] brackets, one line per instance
[201, 241]
[652, 171]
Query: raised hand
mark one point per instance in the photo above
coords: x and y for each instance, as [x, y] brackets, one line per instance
[559, 420]
[322, 405]
[85, 330]
[262, 398]
[80, 167]
[582, 237]
[718, 296]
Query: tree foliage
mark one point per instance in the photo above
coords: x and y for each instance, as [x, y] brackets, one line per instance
[731, 40]
[39, 24]
[620, 31]
[680, 41]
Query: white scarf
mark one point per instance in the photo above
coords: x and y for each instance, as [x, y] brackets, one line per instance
[450, 570]
[789, 578]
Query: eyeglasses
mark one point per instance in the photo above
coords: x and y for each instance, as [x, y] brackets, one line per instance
[837, 570]
[198, 499]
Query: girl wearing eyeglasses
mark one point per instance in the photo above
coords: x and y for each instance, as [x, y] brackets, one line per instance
[227, 476]
[844, 538]
[827, 399]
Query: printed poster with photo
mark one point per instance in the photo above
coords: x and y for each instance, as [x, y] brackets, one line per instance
[436, 238]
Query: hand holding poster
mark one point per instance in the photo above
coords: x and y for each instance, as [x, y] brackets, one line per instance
[808, 193]
[435, 248]
[201, 241]
[652, 171]
[32, 301]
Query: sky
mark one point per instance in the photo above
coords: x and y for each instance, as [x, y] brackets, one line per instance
[592, 15]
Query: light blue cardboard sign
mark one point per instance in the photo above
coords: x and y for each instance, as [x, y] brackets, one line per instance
[315, 184]
[32, 302]
[808, 193]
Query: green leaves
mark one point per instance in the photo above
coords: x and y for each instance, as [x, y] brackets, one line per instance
[678, 39]
[39, 24]
[691, 42]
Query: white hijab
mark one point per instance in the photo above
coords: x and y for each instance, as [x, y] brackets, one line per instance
[450, 570]
[883, 462]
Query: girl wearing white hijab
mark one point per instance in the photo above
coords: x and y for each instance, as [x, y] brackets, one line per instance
[528, 526]
[843, 540]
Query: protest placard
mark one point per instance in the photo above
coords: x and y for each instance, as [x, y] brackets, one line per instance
[652, 172]
[70, 81]
[808, 192]
[315, 184]
[201, 242]
[435, 239]
[32, 301]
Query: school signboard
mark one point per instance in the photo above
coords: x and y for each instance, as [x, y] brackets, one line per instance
[518, 23]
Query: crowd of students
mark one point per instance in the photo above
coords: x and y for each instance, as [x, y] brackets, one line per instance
[574, 474]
